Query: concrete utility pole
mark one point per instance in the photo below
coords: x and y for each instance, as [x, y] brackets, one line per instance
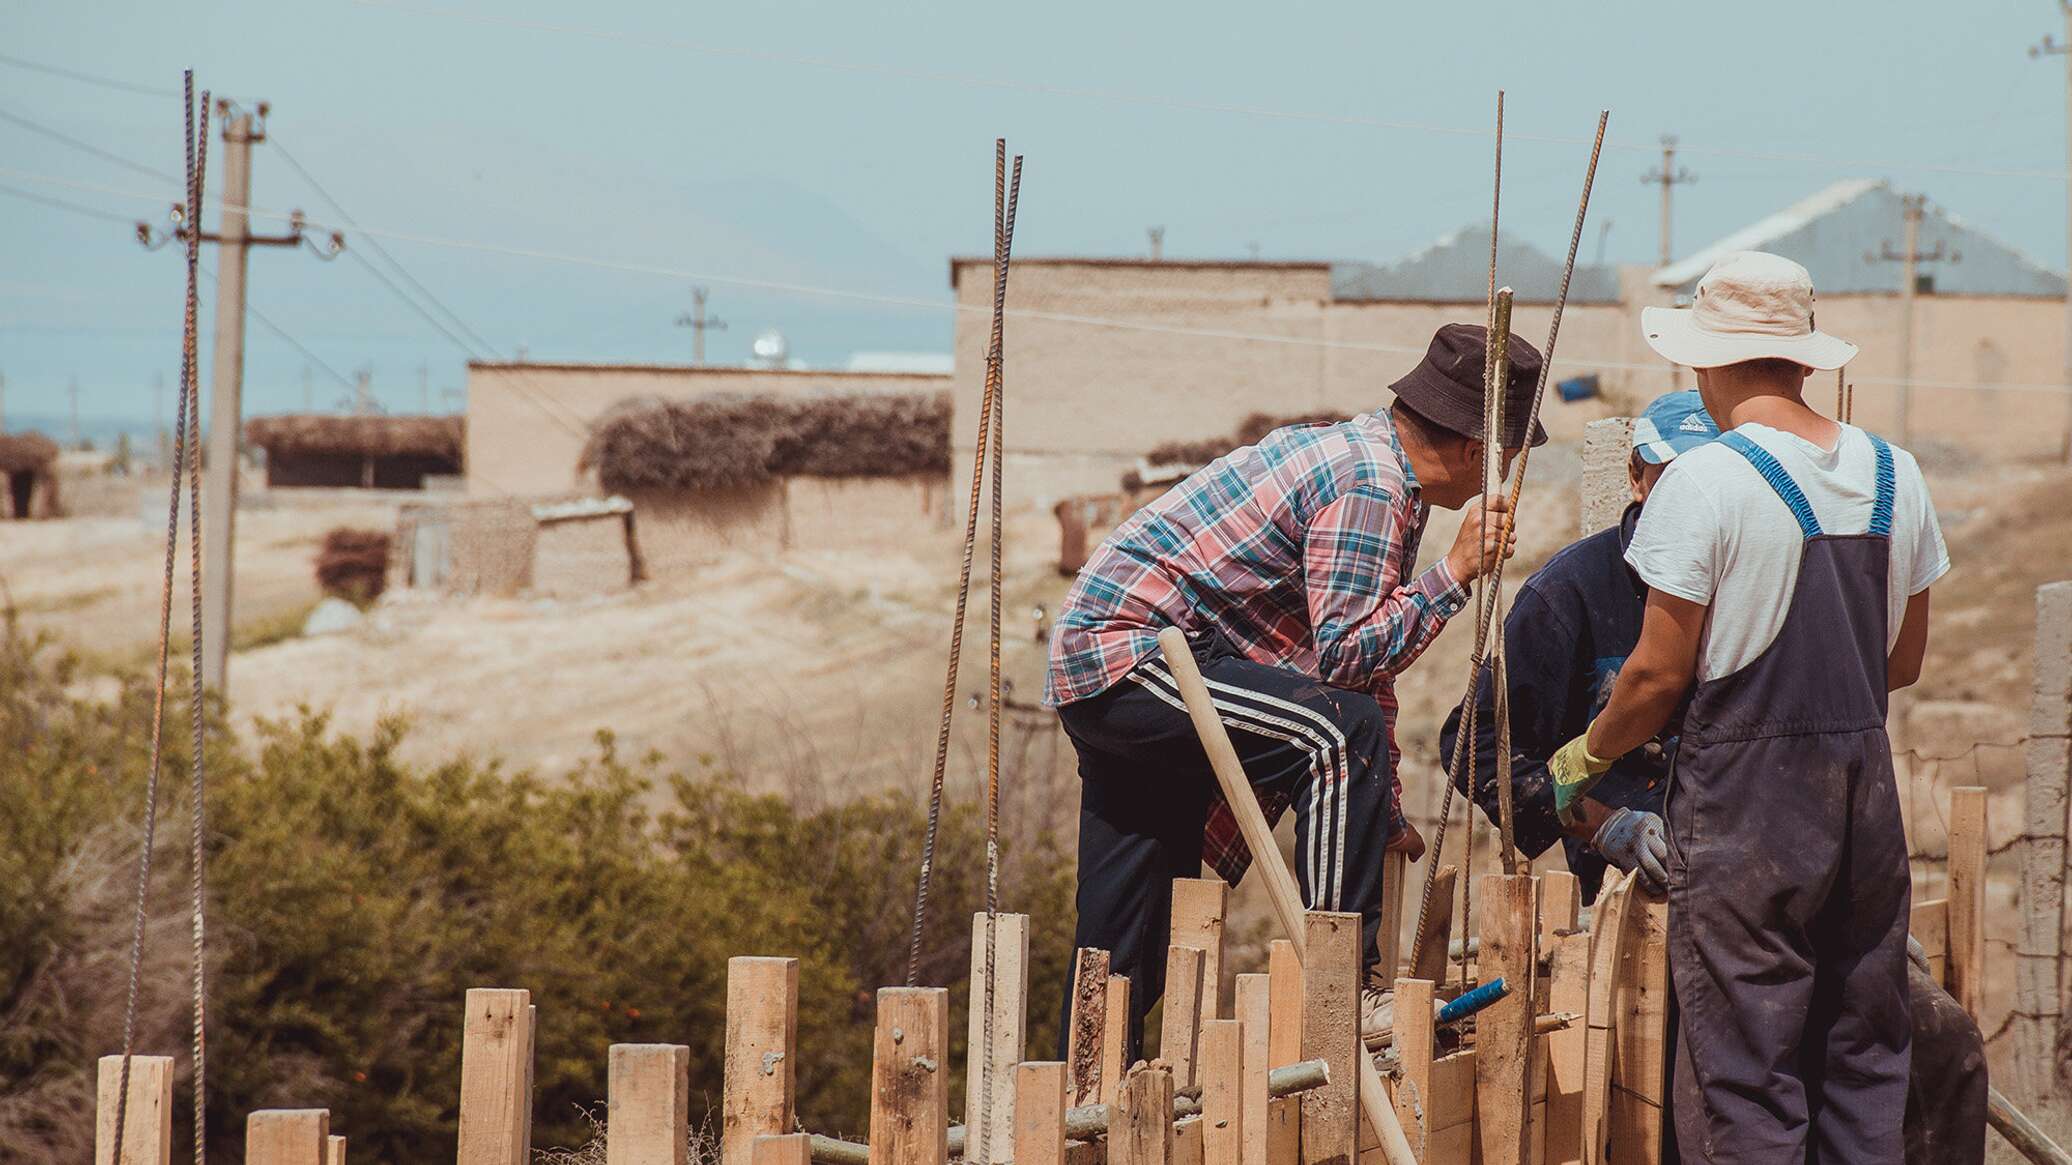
[363, 392]
[72, 392]
[227, 373]
[3, 404]
[2047, 47]
[696, 320]
[424, 388]
[1911, 256]
[1157, 242]
[158, 415]
[309, 395]
[1667, 175]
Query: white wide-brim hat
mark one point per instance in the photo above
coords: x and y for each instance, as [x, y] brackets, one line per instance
[1752, 305]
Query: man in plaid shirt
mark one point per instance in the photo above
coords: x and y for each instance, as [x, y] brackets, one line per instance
[1289, 566]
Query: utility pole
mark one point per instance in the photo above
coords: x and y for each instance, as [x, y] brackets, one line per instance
[424, 388]
[72, 391]
[158, 416]
[1667, 175]
[363, 392]
[696, 320]
[2047, 47]
[227, 370]
[3, 404]
[1910, 255]
[309, 395]
[1157, 242]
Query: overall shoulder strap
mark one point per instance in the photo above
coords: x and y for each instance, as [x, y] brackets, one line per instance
[1881, 505]
[1780, 480]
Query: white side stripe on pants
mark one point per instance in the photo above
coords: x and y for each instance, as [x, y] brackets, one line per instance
[1317, 736]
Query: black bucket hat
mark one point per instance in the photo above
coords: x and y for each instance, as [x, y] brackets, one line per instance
[1446, 387]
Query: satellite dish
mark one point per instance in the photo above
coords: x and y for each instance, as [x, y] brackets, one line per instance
[769, 347]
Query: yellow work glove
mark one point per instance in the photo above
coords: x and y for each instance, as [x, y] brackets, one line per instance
[1575, 770]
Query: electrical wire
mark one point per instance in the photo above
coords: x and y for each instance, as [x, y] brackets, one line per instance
[88, 147]
[88, 78]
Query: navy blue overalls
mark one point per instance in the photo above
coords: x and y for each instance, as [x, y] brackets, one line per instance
[1788, 879]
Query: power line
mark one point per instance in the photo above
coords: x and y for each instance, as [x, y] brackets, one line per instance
[89, 147]
[87, 78]
[281, 332]
[60, 204]
[1822, 160]
[917, 303]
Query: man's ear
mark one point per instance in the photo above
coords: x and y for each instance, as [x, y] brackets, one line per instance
[1636, 478]
[1470, 467]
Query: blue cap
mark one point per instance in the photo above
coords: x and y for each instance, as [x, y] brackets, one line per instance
[1675, 422]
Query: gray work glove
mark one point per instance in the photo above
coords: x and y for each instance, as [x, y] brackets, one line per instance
[1632, 840]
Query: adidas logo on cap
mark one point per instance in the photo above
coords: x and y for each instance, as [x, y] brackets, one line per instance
[1694, 424]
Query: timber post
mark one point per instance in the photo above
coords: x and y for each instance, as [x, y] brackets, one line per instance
[759, 1078]
[910, 1094]
[289, 1136]
[147, 1134]
[648, 1104]
[989, 1081]
[496, 1078]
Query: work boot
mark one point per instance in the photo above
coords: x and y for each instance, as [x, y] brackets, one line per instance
[1377, 1011]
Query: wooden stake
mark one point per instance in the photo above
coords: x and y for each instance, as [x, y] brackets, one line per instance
[1967, 892]
[1284, 975]
[910, 1093]
[648, 1105]
[1180, 1016]
[1331, 970]
[759, 1078]
[1640, 1066]
[287, 1136]
[1188, 1140]
[1255, 1012]
[1609, 936]
[147, 1130]
[1039, 1112]
[1508, 926]
[1388, 940]
[1222, 1092]
[1089, 1023]
[495, 1077]
[1199, 905]
[1115, 1037]
[1431, 943]
[780, 1149]
[1414, 1032]
[1142, 1132]
[993, 1144]
[334, 1150]
[1568, 990]
[1280, 883]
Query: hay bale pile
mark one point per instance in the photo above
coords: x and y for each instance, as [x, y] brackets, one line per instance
[1250, 431]
[734, 440]
[376, 436]
[20, 452]
[353, 564]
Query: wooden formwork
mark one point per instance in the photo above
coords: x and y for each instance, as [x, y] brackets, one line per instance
[1569, 1069]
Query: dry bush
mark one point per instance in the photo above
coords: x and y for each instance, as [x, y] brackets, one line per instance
[353, 564]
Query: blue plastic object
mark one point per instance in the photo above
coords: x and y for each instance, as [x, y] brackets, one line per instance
[1577, 388]
[1474, 1001]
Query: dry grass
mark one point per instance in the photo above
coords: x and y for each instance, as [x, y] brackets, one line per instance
[1250, 431]
[362, 436]
[729, 441]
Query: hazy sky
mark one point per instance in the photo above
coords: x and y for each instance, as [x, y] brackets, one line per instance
[848, 146]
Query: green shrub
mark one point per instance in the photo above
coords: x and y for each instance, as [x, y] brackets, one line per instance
[355, 897]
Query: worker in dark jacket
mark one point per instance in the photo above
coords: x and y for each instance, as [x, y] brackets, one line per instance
[1570, 628]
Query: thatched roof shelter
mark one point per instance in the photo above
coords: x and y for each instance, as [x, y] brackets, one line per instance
[26, 452]
[734, 440]
[1249, 432]
[307, 434]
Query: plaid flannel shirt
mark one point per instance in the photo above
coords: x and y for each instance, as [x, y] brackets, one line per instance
[1297, 549]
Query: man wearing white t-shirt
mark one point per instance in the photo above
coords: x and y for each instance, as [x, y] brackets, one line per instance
[1788, 567]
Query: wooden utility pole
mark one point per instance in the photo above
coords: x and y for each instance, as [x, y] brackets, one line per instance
[1668, 174]
[696, 320]
[1911, 256]
[2050, 46]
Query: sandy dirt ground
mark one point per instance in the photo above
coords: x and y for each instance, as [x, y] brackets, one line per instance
[816, 662]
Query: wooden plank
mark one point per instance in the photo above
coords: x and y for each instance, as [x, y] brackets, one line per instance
[1508, 924]
[648, 1104]
[1199, 907]
[334, 1150]
[1188, 1145]
[1284, 972]
[1561, 900]
[995, 1075]
[1039, 1112]
[1967, 841]
[1414, 1047]
[496, 1077]
[147, 1125]
[1284, 1131]
[1388, 940]
[1088, 1024]
[910, 1085]
[758, 1079]
[532, 1045]
[780, 1149]
[1141, 1132]
[286, 1136]
[1115, 1037]
[1640, 1066]
[1331, 971]
[1568, 989]
[1255, 1013]
[1431, 943]
[1222, 1070]
[1930, 926]
[1180, 1016]
[1611, 932]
